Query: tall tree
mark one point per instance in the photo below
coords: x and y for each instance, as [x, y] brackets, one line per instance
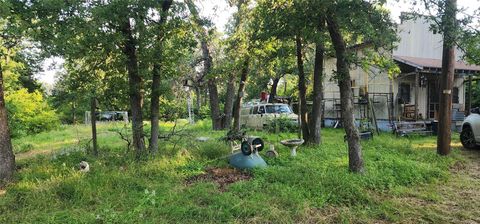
[362, 22]
[343, 77]
[240, 46]
[302, 89]
[122, 34]
[202, 35]
[299, 21]
[135, 84]
[7, 158]
[315, 120]
[155, 88]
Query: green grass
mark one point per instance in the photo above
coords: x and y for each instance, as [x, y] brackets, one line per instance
[315, 186]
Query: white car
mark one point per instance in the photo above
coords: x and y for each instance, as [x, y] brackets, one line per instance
[257, 116]
[470, 135]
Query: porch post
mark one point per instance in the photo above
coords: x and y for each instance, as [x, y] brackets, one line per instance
[417, 80]
[469, 93]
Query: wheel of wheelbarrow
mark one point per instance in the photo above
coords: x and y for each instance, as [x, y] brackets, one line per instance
[246, 148]
[258, 141]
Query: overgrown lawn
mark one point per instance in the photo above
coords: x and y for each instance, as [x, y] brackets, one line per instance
[315, 186]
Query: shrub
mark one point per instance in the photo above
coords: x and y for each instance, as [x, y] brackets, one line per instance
[29, 113]
[171, 110]
[203, 112]
[281, 124]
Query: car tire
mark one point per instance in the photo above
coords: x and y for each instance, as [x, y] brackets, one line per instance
[467, 138]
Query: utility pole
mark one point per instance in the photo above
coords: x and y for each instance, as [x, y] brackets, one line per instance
[446, 79]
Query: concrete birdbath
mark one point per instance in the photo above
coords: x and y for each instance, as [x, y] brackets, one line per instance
[292, 144]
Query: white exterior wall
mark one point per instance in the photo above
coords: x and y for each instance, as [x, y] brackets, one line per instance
[377, 83]
[416, 40]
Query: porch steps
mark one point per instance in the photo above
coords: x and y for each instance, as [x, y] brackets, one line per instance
[402, 128]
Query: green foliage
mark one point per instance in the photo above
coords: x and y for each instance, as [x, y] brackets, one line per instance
[171, 110]
[202, 113]
[280, 125]
[29, 113]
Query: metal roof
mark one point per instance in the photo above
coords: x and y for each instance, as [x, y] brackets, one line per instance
[428, 63]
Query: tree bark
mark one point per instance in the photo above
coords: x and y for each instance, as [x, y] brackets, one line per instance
[135, 87]
[93, 121]
[7, 158]
[241, 91]
[214, 104]
[315, 120]
[154, 109]
[355, 160]
[302, 91]
[446, 80]
[229, 100]
[198, 101]
[273, 90]
[155, 101]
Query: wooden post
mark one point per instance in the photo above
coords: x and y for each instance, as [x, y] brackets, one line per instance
[446, 78]
[417, 80]
[469, 94]
[93, 119]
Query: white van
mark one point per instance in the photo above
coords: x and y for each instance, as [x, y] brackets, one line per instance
[257, 116]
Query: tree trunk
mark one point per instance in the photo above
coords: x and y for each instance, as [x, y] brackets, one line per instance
[315, 120]
[198, 94]
[241, 91]
[7, 158]
[302, 91]
[229, 99]
[355, 160]
[93, 121]
[154, 109]
[154, 102]
[135, 87]
[446, 80]
[212, 88]
[273, 91]
[214, 104]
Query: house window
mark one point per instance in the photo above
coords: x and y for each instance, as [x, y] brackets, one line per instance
[455, 98]
[404, 92]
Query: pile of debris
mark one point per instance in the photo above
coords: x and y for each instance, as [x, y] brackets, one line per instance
[221, 176]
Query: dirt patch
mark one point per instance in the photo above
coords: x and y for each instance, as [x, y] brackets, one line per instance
[222, 176]
[458, 166]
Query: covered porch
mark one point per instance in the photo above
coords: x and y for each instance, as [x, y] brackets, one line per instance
[417, 89]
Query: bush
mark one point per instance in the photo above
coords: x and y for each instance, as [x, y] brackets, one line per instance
[281, 124]
[171, 110]
[29, 113]
[202, 113]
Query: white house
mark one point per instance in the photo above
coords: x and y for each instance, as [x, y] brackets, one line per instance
[413, 94]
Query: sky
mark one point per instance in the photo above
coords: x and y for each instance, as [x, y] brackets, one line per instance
[219, 12]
